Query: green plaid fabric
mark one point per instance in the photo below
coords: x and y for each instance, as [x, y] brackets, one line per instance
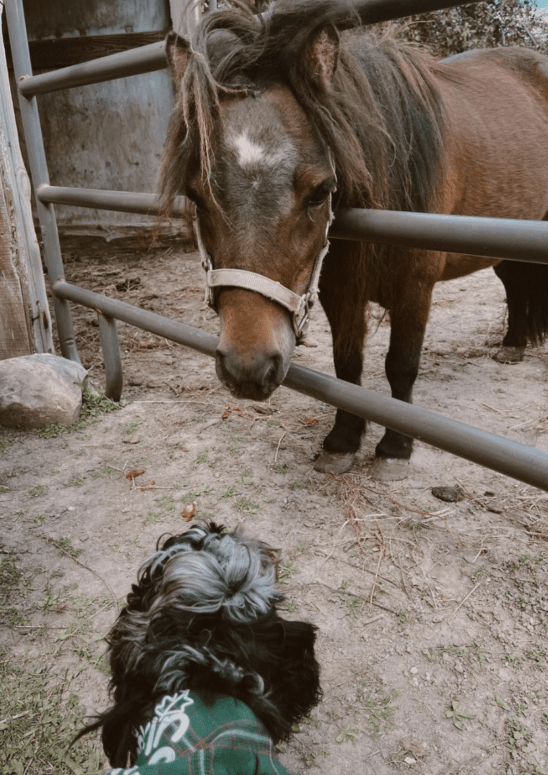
[187, 737]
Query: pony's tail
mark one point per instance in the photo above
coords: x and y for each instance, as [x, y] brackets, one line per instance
[526, 288]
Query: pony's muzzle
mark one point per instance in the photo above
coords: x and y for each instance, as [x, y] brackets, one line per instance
[254, 377]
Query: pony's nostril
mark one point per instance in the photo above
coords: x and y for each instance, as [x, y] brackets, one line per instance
[221, 368]
[273, 371]
[254, 377]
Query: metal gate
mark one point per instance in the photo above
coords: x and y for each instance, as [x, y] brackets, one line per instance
[500, 238]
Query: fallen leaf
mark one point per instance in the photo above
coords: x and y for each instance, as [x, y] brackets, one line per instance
[134, 473]
[189, 510]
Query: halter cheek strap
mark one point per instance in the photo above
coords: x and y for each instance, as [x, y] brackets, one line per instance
[298, 306]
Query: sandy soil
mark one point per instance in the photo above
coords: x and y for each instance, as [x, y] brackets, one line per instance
[432, 616]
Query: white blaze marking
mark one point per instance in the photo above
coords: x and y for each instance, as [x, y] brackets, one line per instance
[252, 154]
[249, 153]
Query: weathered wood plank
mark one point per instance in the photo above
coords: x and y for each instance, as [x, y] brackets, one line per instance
[25, 323]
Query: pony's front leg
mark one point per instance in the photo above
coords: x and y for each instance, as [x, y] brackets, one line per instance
[408, 320]
[516, 278]
[343, 297]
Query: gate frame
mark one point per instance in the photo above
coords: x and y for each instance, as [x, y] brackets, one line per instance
[500, 238]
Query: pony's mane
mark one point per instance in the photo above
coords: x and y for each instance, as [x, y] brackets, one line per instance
[382, 117]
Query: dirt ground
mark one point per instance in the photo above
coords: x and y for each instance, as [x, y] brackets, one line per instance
[432, 615]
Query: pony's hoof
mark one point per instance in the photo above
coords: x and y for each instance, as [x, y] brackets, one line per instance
[389, 469]
[510, 354]
[328, 463]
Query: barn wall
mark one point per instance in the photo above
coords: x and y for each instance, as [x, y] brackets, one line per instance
[110, 135]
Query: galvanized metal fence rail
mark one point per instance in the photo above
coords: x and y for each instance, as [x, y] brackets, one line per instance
[501, 238]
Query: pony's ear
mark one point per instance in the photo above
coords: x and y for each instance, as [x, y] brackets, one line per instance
[322, 55]
[178, 54]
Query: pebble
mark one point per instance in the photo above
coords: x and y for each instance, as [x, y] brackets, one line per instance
[448, 494]
[134, 439]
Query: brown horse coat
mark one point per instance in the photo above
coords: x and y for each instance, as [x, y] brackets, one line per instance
[272, 118]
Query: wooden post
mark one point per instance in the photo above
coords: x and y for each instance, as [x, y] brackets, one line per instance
[25, 322]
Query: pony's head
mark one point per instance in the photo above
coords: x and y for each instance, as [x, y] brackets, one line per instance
[273, 116]
[261, 175]
[203, 617]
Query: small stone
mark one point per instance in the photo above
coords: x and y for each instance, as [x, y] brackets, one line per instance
[410, 760]
[448, 494]
[414, 670]
[314, 456]
[309, 342]
[133, 439]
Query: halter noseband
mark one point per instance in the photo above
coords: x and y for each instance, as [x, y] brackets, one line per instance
[298, 306]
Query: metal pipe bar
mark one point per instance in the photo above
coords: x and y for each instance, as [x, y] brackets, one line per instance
[111, 356]
[144, 59]
[149, 321]
[494, 237]
[39, 173]
[511, 458]
[120, 201]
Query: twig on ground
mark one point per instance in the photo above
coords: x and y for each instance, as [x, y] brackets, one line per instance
[462, 602]
[13, 718]
[53, 542]
[278, 447]
[382, 547]
[374, 619]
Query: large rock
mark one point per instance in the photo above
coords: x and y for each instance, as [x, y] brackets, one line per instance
[36, 390]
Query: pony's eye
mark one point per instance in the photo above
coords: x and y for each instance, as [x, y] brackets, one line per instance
[320, 194]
